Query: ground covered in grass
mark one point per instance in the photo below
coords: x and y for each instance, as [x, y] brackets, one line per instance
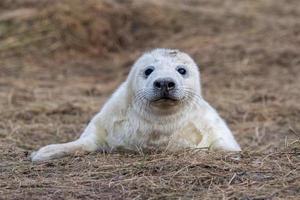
[60, 61]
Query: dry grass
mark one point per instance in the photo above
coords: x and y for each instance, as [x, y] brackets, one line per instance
[60, 60]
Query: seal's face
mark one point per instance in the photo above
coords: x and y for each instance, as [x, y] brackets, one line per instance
[165, 80]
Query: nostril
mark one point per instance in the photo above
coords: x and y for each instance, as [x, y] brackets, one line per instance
[157, 84]
[165, 84]
[171, 85]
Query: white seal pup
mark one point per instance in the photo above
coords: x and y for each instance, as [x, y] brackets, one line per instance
[158, 106]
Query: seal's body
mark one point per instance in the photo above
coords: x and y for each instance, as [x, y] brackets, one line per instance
[159, 106]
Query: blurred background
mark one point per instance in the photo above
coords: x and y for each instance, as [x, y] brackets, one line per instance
[61, 59]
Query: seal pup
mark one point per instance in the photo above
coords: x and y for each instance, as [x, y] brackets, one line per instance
[158, 106]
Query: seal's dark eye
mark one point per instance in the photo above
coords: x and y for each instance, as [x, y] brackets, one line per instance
[148, 71]
[181, 70]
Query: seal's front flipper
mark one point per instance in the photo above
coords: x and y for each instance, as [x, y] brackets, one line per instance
[60, 150]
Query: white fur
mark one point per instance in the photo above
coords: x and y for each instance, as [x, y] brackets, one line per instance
[126, 122]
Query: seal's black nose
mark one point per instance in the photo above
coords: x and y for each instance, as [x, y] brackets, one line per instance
[164, 84]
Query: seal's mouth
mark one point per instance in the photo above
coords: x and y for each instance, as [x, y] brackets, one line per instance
[165, 105]
[165, 99]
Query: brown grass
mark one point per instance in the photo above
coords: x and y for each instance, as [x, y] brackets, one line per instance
[60, 60]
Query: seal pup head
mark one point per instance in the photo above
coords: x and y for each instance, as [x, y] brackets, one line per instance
[164, 82]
